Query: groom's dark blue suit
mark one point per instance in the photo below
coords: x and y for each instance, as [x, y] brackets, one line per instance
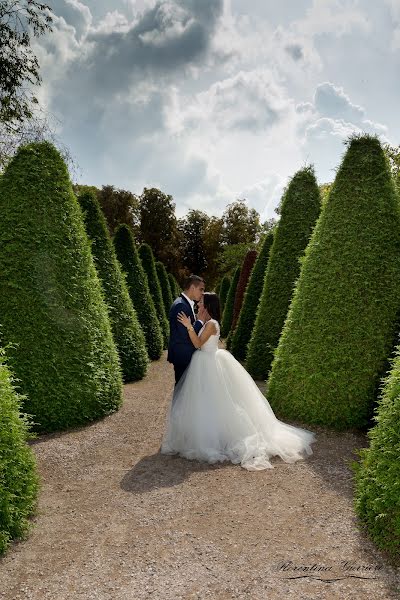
[180, 347]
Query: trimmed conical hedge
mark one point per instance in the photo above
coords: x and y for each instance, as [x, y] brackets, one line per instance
[51, 299]
[223, 291]
[300, 209]
[342, 320]
[247, 317]
[175, 289]
[19, 481]
[165, 287]
[245, 272]
[149, 266]
[138, 288]
[127, 332]
[227, 315]
[377, 475]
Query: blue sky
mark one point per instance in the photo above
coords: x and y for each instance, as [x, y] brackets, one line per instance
[214, 100]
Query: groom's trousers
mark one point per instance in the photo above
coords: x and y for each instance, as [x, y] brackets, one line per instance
[179, 370]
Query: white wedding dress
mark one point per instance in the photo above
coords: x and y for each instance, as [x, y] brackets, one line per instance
[219, 414]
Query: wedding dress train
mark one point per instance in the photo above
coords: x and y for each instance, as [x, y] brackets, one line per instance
[219, 414]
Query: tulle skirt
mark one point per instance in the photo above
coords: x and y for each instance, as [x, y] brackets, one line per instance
[219, 414]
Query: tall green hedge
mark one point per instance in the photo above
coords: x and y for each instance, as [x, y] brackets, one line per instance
[138, 288]
[175, 289]
[245, 272]
[19, 478]
[377, 475]
[147, 257]
[52, 303]
[300, 209]
[251, 300]
[342, 321]
[127, 332]
[227, 315]
[223, 291]
[165, 287]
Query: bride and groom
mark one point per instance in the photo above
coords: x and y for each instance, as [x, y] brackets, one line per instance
[217, 411]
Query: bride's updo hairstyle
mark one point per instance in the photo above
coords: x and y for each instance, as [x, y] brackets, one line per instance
[212, 304]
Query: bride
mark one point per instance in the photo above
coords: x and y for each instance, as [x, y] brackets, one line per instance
[219, 414]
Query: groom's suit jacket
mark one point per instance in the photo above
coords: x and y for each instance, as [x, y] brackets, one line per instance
[180, 347]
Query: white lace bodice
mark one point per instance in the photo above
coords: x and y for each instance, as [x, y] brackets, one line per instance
[211, 344]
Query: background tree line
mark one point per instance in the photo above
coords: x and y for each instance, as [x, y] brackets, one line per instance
[198, 243]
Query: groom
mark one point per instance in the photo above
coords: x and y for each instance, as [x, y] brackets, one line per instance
[180, 348]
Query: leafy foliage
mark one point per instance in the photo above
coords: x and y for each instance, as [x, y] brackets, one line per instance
[299, 211]
[19, 481]
[227, 315]
[193, 227]
[165, 287]
[175, 289]
[377, 475]
[148, 263]
[159, 227]
[344, 313]
[65, 358]
[245, 273]
[223, 291]
[247, 317]
[18, 64]
[128, 334]
[138, 287]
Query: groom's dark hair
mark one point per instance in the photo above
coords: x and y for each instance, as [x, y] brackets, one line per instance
[195, 279]
[212, 304]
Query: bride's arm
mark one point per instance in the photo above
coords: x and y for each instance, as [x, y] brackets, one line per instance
[196, 340]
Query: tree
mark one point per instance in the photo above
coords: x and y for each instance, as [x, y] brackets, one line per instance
[212, 242]
[175, 289]
[165, 287]
[231, 257]
[138, 287]
[377, 475]
[119, 206]
[241, 223]
[19, 19]
[127, 333]
[19, 481]
[192, 228]
[223, 292]
[66, 358]
[343, 317]
[299, 212]
[159, 227]
[245, 273]
[148, 264]
[393, 155]
[247, 317]
[227, 316]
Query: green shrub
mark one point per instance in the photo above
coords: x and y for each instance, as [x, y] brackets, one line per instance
[175, 289]
[165, 287]
[128, 334]
[377, 475]
[52, 304]
[245, 272]
[299, 211]
[138, 288]
[223, 291]
[227, 315]
[19, 478]
[149, 266]
[342, 320]
[251, 300]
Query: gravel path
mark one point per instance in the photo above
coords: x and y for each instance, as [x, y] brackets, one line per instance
[119, 521]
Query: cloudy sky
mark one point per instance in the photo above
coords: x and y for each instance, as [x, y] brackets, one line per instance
[214, 100]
